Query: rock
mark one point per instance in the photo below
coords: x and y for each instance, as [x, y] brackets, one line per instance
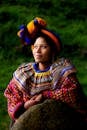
[49, 115]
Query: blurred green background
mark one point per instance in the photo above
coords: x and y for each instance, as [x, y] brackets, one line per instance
[67, 18]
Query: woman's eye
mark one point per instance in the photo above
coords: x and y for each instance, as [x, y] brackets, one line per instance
[41, 47]
[35, 47]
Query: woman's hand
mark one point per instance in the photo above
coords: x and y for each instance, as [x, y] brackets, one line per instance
[34, 100]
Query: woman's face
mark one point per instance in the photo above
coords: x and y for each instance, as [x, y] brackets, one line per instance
[41, 51]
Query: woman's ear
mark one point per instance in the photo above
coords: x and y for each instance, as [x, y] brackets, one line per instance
[32, 47]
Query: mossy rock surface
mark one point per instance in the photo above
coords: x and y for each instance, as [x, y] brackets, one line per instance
[49, 115]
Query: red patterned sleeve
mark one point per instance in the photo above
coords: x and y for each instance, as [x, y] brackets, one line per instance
[70, 93]
[15, 100]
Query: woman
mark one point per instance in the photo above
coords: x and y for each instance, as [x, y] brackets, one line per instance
[47, 77]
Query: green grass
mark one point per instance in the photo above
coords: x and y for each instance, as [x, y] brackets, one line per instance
[4, 118]
[81, 65]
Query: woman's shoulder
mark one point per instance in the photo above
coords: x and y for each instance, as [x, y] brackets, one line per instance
[63, 62]
[22, 73]
[63, 66]
[24, 68]
[25, 65]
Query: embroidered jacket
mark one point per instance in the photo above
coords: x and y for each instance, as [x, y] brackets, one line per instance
[57, 82]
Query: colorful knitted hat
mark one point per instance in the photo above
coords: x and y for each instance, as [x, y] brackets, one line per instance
[29, 32]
